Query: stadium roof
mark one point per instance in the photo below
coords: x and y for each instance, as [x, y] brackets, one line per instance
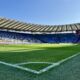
[22, 26]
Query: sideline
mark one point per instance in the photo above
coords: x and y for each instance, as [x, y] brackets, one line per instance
[19, 67]
[42, 70]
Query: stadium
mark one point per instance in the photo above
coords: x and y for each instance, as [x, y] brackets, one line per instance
[38, 50]
[15, 31]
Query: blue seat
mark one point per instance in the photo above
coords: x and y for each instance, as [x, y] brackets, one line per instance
[43, 38]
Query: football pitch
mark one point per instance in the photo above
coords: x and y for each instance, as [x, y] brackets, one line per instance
[37, 58]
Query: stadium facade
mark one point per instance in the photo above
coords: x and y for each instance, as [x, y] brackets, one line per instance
[12, 31]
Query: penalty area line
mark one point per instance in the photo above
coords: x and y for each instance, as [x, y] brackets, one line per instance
[42, 70]
[34, 63]
[58, 63]
[19, 67]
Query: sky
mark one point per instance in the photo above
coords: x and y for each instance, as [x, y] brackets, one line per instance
[49, 12]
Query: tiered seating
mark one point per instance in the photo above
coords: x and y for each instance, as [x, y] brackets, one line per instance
[16, 37]
[40, 38]
[58, 38]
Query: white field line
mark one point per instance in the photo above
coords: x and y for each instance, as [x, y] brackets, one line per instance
[42, 70]
[22, 50]
[69, 58]
[58, 63]
[48, 68]
[19, 67]
[34, 63]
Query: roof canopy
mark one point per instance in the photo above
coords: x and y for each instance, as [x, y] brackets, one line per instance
[21, 26]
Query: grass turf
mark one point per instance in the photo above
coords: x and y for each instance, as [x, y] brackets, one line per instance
[37, 53]
[35, 66]
[49, 52]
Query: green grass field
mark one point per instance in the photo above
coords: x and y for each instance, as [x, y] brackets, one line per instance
[36, 66]
[37, 53]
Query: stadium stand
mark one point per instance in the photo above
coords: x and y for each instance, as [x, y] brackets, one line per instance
[39, 38]
[11, 31]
